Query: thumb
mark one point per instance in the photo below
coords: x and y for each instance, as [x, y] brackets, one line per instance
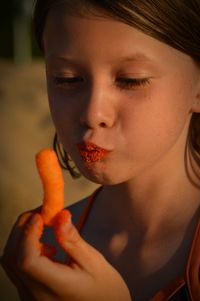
[70, 240]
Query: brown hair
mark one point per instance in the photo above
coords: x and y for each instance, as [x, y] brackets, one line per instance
[175, 23]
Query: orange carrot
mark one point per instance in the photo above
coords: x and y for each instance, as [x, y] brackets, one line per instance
[53, 184]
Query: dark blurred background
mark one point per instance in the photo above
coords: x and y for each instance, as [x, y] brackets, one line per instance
[25, 123]
[17, 40]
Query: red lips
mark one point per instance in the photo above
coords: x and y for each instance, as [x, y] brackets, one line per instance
[91, 152]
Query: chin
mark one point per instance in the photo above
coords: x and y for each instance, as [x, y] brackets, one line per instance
[104, 172]
[100, 176]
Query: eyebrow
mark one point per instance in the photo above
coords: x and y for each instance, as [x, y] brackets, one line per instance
[136, 57]
[62, 58]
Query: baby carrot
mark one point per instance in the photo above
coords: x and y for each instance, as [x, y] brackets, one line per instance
[53, 184]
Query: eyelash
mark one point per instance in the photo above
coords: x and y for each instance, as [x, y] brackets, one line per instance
[129, 83]
[123, 83]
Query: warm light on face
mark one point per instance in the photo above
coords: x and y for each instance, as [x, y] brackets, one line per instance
[104, 72]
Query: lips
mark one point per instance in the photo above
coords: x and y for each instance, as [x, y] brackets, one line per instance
[91, 152]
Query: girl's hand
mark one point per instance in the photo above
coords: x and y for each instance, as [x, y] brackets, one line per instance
[87, 277]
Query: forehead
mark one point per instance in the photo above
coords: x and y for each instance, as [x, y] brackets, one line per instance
[100, 36]
[69, 31]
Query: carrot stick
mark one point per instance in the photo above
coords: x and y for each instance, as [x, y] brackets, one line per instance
[53, 184]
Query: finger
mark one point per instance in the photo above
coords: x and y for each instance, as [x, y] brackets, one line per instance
[32, 232]
[53, 184]
[35, 266]
[30, 243]
[30, 246]
[70, 240]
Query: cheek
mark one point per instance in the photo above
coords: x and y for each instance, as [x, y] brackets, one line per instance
[155, 124]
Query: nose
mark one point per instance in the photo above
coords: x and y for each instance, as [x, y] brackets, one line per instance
[98, 109]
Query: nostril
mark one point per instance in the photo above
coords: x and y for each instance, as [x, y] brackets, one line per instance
[102, 124]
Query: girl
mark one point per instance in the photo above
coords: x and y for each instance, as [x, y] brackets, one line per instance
[123, 83]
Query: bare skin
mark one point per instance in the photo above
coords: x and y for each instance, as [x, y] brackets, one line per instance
[144, 218]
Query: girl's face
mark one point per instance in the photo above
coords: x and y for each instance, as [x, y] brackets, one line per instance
[111, 85]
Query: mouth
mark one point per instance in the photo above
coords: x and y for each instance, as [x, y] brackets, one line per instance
[91, 152]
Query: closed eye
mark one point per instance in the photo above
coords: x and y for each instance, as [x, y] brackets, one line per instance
[129, 83]
[122, 82]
